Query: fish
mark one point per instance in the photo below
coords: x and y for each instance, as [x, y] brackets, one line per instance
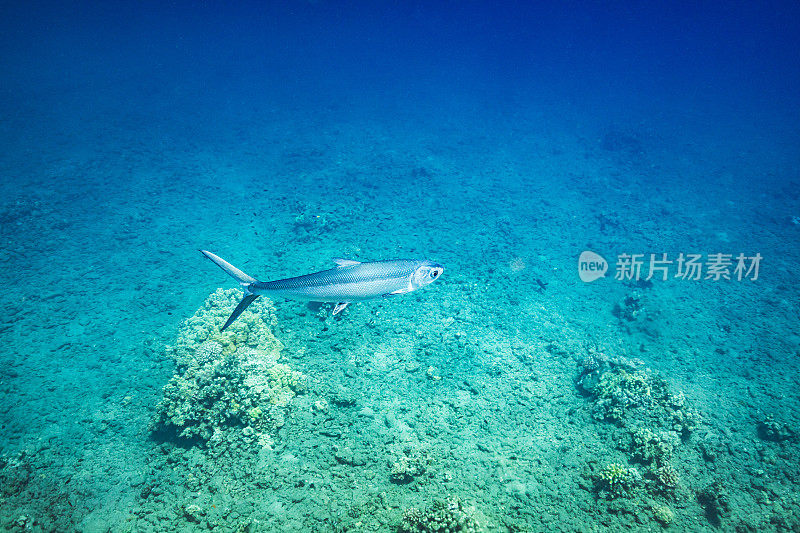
[349, 281]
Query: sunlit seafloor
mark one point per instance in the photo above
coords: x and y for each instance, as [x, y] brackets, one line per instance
[509, 395]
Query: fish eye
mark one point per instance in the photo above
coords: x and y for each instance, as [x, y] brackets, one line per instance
[434, 273]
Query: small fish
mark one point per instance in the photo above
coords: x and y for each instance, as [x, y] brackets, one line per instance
[350, 281]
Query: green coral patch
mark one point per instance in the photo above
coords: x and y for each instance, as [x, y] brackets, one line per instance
[449, 515]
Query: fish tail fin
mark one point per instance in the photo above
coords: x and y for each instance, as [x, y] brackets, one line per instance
[247, 300]
[243, 279]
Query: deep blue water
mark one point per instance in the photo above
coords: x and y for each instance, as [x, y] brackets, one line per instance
[499, 139]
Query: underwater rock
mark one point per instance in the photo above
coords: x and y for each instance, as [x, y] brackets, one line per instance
[714, 500]
[411, 366]
[630, 308]
[772, 431]
[366, 412]
[194, 513]
[347, 456]
[342, 397]
[711, 449]
[15, 474]
[411, 464]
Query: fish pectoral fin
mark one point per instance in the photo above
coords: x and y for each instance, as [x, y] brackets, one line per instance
[345, 262]
[404, 290]
[340, 307]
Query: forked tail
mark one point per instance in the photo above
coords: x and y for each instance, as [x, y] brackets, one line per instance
[243, 279]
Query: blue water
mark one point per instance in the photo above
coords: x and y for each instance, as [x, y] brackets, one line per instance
[500, 140]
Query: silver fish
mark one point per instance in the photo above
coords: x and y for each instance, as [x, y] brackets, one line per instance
[350, 281]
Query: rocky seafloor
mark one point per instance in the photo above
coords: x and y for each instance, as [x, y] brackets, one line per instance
[508, 396]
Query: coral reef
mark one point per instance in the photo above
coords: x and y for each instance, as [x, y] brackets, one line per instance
[616, 480]
[253, 329]
[620, 390]
[230, 379]
[442, 516]
[625, 394]
[649, 423]
[648, 446]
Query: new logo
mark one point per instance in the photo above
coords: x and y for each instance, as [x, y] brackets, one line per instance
[591, 266]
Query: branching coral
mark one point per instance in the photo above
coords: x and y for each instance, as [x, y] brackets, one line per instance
[617, 480]
[442, 516]
[667, 478]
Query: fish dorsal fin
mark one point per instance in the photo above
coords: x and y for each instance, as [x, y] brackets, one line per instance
[345, 262]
